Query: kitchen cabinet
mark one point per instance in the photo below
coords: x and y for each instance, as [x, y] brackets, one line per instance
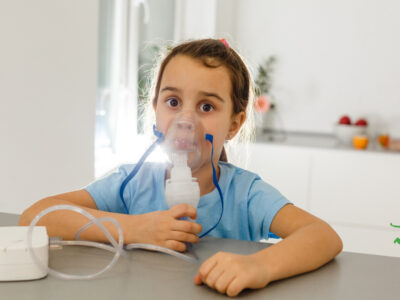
[363, 187]
[356, 192]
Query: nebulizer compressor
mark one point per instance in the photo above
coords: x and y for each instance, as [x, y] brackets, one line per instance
[183, 143]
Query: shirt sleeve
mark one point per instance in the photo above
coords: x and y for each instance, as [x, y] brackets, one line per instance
[105, 191]
[264, 203]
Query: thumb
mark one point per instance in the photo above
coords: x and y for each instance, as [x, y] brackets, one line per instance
[183, 210]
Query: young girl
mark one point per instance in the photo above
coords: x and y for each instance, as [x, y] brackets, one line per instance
[208, 80]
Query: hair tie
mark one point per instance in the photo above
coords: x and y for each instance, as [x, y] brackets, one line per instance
[225, 42]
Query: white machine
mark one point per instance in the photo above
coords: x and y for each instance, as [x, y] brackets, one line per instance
[16, 261]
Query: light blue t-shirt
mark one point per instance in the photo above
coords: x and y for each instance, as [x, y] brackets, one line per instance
[250, 204]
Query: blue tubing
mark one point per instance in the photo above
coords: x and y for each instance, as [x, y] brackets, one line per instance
[160, 138]
[210, 138]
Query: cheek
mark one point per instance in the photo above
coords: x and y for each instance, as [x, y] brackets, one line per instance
[218, 127]
[162, 120]
[219, 134]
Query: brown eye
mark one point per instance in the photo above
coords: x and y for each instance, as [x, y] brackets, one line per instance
[206, 107]
[172, 102]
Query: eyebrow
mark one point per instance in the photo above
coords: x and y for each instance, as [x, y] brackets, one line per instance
[207, 94]
[170, 88]
[203, 93]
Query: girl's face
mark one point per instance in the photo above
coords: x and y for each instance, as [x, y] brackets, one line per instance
[190, 88]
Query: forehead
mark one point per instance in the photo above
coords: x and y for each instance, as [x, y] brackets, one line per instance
[183, 71]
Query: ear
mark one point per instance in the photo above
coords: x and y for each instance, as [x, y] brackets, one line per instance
[236, 123]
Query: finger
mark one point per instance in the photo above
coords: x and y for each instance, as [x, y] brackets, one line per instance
[213, 275]
[197, 279]
[183, 210]
[186, 226]
[175, 245]
[235, 287]
[206, 267]
[223, 281]
[183, 237]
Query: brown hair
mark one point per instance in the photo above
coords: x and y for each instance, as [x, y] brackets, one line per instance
[214, 53]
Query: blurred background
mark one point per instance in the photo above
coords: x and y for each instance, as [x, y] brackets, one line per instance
[74, 75]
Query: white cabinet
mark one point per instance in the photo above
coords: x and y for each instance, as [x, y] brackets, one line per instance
[356, 187]
[357, 192]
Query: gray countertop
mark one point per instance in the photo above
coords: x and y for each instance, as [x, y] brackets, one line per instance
[151, 275]
[314, 140]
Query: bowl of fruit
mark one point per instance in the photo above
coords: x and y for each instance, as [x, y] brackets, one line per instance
[345, 130]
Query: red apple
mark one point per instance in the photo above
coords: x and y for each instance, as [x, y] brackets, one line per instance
[361, 122]
[345, 120]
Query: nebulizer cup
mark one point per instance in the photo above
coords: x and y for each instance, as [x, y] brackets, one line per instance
[183, 145]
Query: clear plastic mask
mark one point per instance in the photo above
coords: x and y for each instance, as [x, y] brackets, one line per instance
[185, 136]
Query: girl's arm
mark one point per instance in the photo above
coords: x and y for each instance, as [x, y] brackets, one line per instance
[160, 227]
[307, 244]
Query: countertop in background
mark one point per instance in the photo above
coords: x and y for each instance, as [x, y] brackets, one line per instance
[314, 140]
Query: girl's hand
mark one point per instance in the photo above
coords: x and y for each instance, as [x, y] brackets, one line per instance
[231, 273]
[164, 228]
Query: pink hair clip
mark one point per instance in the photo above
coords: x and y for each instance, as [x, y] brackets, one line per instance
[225, 42]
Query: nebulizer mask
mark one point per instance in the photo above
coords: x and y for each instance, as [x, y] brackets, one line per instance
[185, 144]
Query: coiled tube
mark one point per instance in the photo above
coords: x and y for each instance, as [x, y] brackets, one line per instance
[117, 248]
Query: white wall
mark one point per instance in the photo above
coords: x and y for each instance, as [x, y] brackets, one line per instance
[194, 19]
[334, 57]
[48, 86]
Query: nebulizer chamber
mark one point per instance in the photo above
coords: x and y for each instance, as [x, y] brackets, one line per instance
[182, 145]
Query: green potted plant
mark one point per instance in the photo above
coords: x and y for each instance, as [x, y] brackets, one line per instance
[263, 84]
[264, 103]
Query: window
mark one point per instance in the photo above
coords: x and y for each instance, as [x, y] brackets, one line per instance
[129, 33]
[116, 111]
